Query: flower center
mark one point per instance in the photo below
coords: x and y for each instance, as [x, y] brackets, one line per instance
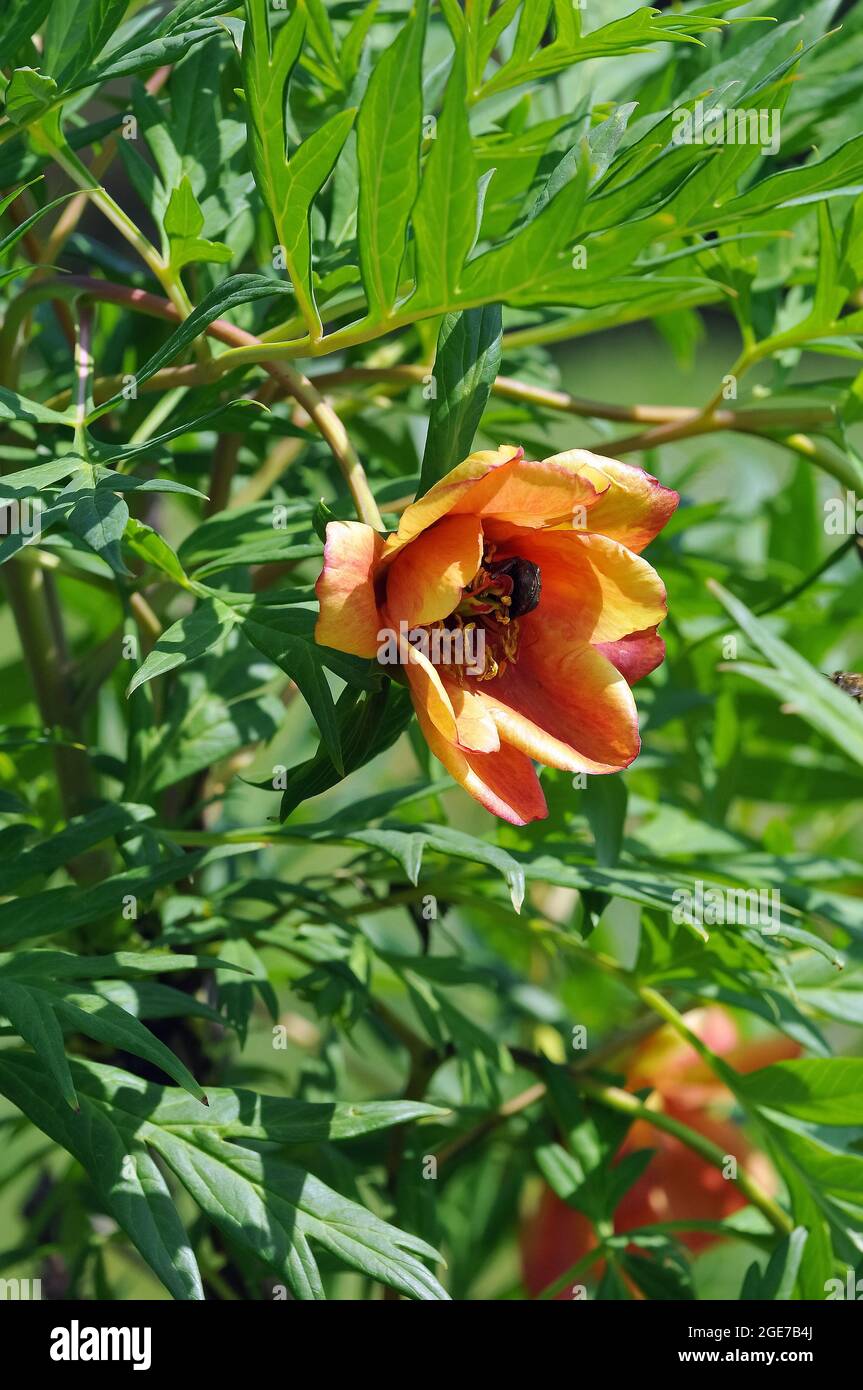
[500, 593]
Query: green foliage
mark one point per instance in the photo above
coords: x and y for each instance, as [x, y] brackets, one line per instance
[324, 252]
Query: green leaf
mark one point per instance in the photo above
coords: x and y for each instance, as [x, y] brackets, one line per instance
[605, 808]
[183, 222]
[825, 1181]
[285, 634]
[76, 34]
[207, 720]
[307, 171]
[369, 723]
[466, 364]
[264, 1204]
[236, 290]
[532, 58]
[776, 1282]
[444, 215]
[149, 546]
[792, 679]
[20, 19]
[83, 1012]
[289, 184]
[30, 481]
[186, 25]
[99, 517]
[665, 1275]
[218, 539]
[838, 175]
[81, 834]
[65, 965]
[388, 147]
[126, 1176]
[544, 261]
[32, 1014]
[28, 94]
[15, 407]
[63, 909]
[12, 238]
[827, 1091]
[38, 1011]
[186, 640]
[407, 843]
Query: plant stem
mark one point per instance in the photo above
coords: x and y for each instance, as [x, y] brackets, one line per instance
[828, 457]
[669, 423]
[509, 388]
[571, 1275]
[614, 1098]
[26, 591]
[80, 174]
[523, 1101]
[83, 365]
[293, 382]
[625, 1103]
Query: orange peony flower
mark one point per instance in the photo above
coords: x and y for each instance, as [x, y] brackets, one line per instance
[678, 1184]
[530, 573]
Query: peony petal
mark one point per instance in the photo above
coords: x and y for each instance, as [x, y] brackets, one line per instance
[476, 728]
[426, 579]
[604, 590]
[564, 704]
[427, 688]
[505, 782]
[441, 499]
[632, 507]
[530, 494]
[349, 619]
[635, 655]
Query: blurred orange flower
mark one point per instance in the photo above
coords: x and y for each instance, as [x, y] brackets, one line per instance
[530, 572]
[678, 1184]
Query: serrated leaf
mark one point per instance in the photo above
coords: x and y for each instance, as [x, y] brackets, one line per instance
[444, 215]
[268, 1206]
[288, 184]
[125, 1174]
[388, 144]
[827, 1091]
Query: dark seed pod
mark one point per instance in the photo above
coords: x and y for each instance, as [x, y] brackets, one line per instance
[526, 584]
